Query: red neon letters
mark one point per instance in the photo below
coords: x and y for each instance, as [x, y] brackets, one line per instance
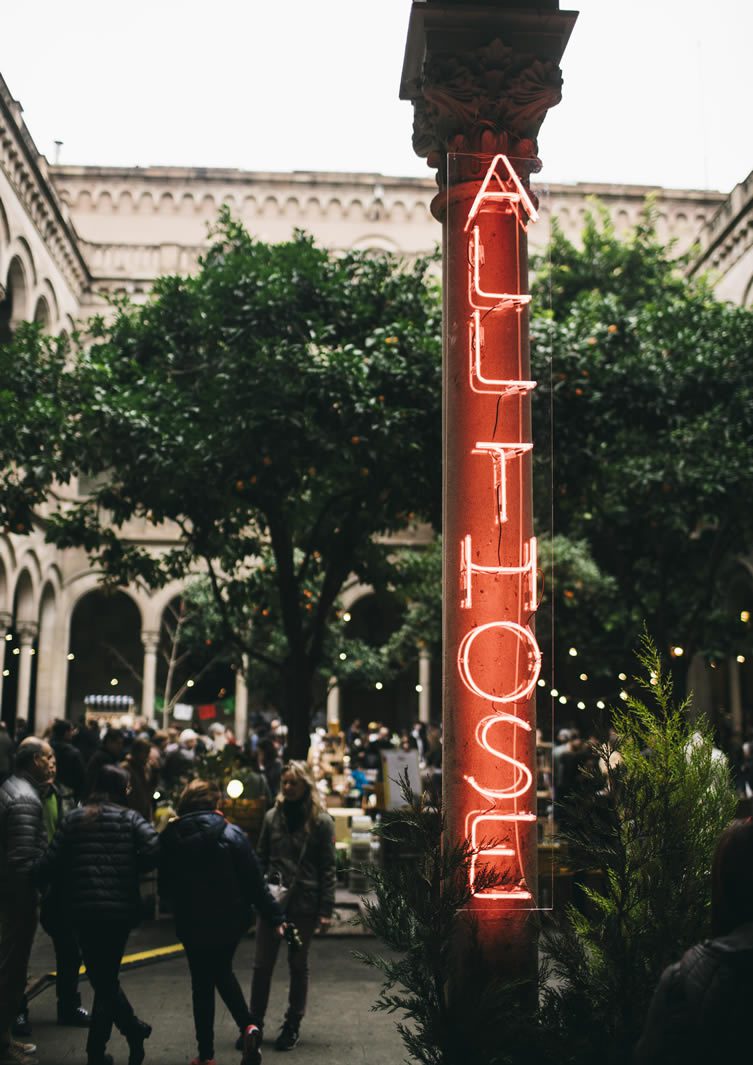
[498, 658]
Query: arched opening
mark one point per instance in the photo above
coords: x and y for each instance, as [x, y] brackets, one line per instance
[373, 619]
[44, 702]
[192, 670]
[105, 655]
[42, 314]
[13, 304]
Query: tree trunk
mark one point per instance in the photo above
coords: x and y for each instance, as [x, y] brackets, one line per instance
[296, 709]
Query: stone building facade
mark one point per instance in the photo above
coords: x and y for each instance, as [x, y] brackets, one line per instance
[71, 235]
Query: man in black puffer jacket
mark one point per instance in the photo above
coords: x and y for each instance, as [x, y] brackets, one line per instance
[210, 877]
[23, 839]
[699, 1012]
[94, 862]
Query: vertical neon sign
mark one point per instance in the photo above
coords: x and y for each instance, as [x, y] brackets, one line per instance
[491, 646]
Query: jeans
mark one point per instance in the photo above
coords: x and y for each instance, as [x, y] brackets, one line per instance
[267, 948]
[211, 967]
[102, 946]
[18, 923]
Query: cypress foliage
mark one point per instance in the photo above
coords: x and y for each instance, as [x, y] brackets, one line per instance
[645, 824]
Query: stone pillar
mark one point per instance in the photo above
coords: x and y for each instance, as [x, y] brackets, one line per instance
[240, 722]
[481, 78]
[735, 699]
[333, 707]
[27, 632]
[424, 681]
[5, 620]
[150, 643]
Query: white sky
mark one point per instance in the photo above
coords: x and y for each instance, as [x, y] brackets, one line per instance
[656, 91]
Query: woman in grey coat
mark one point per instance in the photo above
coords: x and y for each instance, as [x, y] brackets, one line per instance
[297, 850]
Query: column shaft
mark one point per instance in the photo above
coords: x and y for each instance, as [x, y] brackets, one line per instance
[424, 680]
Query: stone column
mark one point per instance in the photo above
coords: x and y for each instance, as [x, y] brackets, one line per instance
[240, 722]
[481, 78]
[150, 643]
[424, 681]
[735, 699]
[333, 707]
[5, 620]
[27, 632]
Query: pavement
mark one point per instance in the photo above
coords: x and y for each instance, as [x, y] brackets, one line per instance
[339, 1028]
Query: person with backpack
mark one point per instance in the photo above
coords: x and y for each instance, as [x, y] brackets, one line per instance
[211, 879]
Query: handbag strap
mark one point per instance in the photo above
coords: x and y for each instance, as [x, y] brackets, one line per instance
[297, 873]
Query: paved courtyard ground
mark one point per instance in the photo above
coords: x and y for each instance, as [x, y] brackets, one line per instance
[340, 1028]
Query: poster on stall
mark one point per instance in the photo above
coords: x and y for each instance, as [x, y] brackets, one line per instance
[183, 712]
[395, 766]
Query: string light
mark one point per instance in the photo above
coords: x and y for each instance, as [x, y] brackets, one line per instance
[190, 683]
[16, 650]
[113, 681]
[419, 687]
[623, 696]
[741, 659]
[71, 656]
[572, 652]
[542, 683]
[622, 676]
[563, 699]
[744, 616]
[379, 685]
[9, 636]
[343, 656]
[600, 705]
[346, 616]
[6, 672]
[678, 652]
[584, 676]
[581, 706]
[235, 789]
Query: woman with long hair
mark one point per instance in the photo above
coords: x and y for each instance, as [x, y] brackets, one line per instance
[297, 851]
[209, 875]
[699, 1010]
[95, 861]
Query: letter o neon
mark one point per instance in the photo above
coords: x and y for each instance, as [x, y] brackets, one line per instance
[524, 690]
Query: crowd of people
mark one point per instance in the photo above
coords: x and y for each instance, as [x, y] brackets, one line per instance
[77, 835]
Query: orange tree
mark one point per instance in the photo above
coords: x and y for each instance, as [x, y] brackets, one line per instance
[281, 407]
[653, 425]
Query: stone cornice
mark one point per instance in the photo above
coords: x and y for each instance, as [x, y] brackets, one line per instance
[722, 231]
[28, 172]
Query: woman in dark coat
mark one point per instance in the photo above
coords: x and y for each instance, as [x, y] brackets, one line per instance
[211, 879]
[297, 848]
[699, 1012]
[94, 863]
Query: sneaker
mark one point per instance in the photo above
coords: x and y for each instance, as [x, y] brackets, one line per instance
[73, 1018]
[22, 1023]
[254, 1024]
[251, 1046]
[288, 1037]
[12, 1054]
[136, 1037]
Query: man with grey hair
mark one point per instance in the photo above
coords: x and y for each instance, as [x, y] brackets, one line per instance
[23, 840]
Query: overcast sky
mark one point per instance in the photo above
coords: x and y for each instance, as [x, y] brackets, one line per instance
[656, 91]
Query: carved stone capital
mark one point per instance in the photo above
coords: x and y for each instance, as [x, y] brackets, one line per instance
[150, 641]
[482, 79]
[27, 632]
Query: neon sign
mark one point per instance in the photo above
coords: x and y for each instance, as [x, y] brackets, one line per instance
[498, 658]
